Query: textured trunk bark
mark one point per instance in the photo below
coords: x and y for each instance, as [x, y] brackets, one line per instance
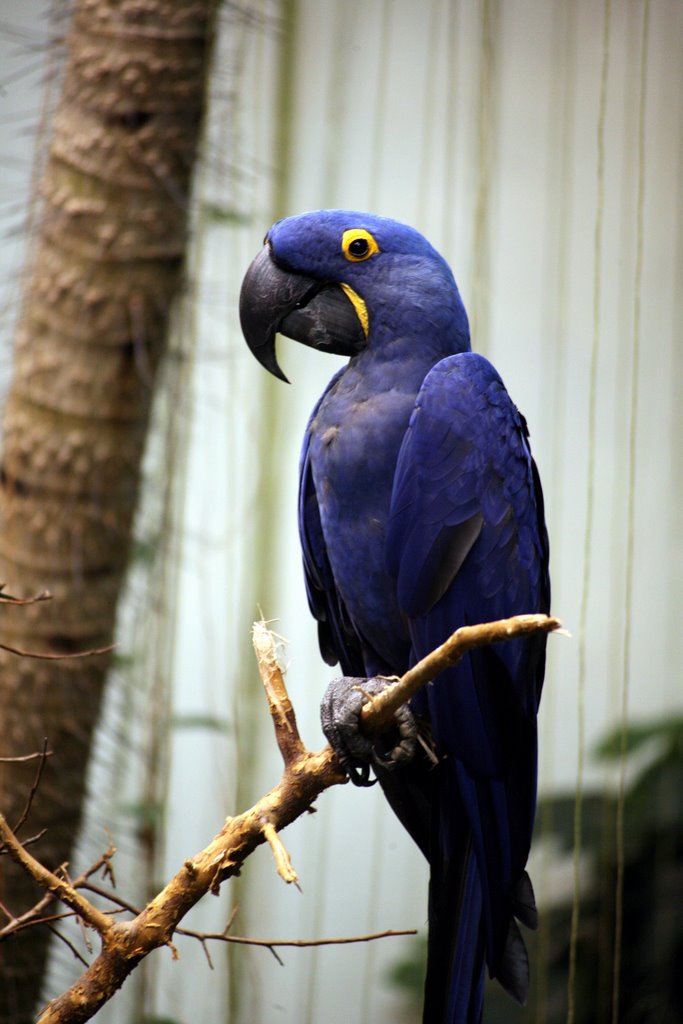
[106, 267]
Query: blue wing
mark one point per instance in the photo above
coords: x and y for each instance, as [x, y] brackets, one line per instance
[337, 637]
[466, 543]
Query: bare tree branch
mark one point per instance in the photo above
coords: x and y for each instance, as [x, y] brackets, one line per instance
[305, 776]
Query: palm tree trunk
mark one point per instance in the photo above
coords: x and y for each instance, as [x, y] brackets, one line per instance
[107, 266]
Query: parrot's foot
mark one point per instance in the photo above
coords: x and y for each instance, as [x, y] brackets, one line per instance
[340, 718]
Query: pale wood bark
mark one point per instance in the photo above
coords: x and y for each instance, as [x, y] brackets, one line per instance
[106, 269]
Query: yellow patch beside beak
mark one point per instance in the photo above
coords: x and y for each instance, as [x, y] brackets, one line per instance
[359, 306]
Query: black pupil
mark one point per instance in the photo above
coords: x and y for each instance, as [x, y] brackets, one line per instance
[359, 247]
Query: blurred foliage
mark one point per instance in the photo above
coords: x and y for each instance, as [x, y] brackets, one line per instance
[144, 550]
[217, 213]
[147, 815]
[156, 1020]
[200, 720]
[651, 975]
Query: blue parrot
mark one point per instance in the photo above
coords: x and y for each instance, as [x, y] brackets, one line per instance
[420, 510]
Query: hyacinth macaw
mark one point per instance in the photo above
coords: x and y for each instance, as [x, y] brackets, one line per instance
[420, 510]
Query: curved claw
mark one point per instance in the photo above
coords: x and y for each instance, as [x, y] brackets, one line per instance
[340, 719]
[403, 749]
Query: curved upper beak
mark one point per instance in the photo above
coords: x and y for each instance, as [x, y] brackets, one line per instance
[313, 312]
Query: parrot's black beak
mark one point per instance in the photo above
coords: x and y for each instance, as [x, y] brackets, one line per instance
[322, 315]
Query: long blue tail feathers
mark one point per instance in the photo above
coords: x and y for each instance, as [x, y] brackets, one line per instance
[457, 951]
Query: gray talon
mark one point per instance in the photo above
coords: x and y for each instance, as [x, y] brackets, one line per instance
[339, 715]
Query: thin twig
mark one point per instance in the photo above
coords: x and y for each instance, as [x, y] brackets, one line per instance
[205, 949]
[6, 598]
[283, 861]
[106, 894]
[224, 936]
[244, 940]
[31, 841]
[46, 656]
[33, 921]
[26, 757]
[8, 914]
[67, 942]
[34, 786]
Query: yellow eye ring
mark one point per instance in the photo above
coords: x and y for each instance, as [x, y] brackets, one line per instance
[358, 245]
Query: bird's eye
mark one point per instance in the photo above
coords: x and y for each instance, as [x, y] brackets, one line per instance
[358, 245]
